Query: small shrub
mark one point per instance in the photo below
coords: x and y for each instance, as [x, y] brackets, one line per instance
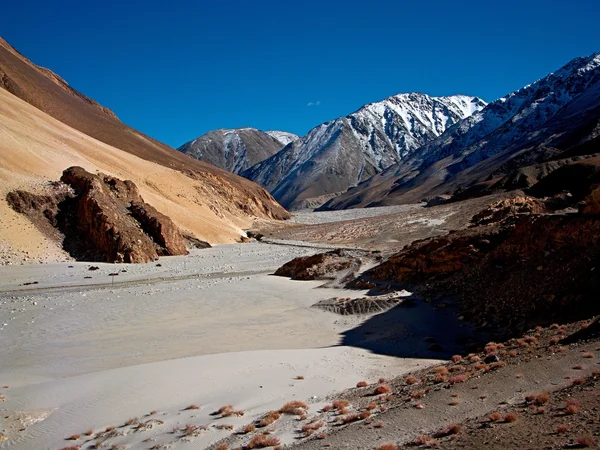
[453, 428]
[192, 406]
[382, 389]
[578, 381]
[310, 428]
[295, 407]
[381, 380]
[269, 418]
[510, 417]
[73, 437]
[327, 408]
[132, 421]
[554, 341]
[542, 398]
[228, 411]
[578, 367]
[248, 428]
[89, 432]
[371, 406]
[300, 377]
[378, 425]
[586, 441]
[411, 380]
[222, 447]
[495, 417]
[387, 446]
[454, 369]
[361, 384]
[364, 414]
[572, 406]
[441, 370]
[458, 379]
[562, 428]
[339, 404]
[223, 426]
[71, 447]
[262, 441]
[513, 353]
[474, 359]
[350, 418]
[454, 403]
[456, 358]
[109, 429]
[588, 355]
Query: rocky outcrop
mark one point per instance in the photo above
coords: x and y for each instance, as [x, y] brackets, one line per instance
[591, 205]
[101, 218]
[116, 221]
[322, 266]
[509, 209]
[523, 270]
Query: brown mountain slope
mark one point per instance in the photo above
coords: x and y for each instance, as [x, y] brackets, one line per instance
[48, 92]
[35, 149]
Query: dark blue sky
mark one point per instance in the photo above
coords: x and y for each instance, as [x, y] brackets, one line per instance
[175, 72]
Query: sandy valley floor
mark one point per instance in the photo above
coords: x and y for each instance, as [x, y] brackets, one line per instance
[212, 328]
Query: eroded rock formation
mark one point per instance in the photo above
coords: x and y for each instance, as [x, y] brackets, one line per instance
[322, 266]
[101, 218]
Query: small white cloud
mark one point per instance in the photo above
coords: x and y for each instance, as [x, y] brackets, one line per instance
[309, 104]
[317, 103]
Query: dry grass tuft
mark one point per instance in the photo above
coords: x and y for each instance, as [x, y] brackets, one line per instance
[372, 406]
[222, 447]
[427, 441]
[588, 355]
[349, 418]
[453, 428]
[572, 406]
[363, 415]
[262, 441]
[562, 428]
[228, 411]
[339, 404]
[361, 384]
[269, 418]
[71, 447]
[411, 380]
[378, 425]
[192, 406]
[89, 432]
[458, 379]
[578, 381]
[441, 370]
[387, 446]
[495, 417]
[193, 430]
[73, 437]
[510, 417]
[224, 426]
[310, 428]
[382, 389]
[456, 358]
[454, 403]
[586, 441]
[474, 359]
[299, 377]
[542, 398]
[132, 421]
[248, 428]
[295, 407]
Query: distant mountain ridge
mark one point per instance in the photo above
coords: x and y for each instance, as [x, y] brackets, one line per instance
[341, 153]
[236, 149]
[534, 124]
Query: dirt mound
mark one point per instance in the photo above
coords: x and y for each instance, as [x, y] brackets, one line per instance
[101, 218]
[322, 266]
